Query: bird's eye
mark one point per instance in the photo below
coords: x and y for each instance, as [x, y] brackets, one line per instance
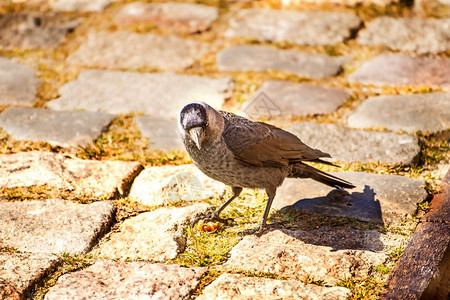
[205, 124]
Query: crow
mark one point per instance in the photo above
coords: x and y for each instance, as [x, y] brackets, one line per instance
[244, 153]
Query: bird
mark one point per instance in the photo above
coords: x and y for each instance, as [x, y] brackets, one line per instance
[242, 153]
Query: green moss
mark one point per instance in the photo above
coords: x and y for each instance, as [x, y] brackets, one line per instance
[8, 249]
[367, 288]
[206, 249]
[292, 219]
[123, 141]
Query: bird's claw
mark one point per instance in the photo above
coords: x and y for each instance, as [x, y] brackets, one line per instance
[211, 218]
[258, 230]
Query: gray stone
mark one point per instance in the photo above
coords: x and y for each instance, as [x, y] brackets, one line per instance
[54, 226]
[410, 113]
[33, 31]
[19, 271]
[298, 27]
[376, 198]
[168, 184]
[357, 145]
[83, 178]
[63, 128]
[127, 280]
[238, 286]
[18, 83]
[156, 94]
[79, 5]
[261, 58]
[283, 253]
[179, 17]
[127, 50]
[282, 98]
[162, 133]
[157, 235]
[408, 34]
[402, 70]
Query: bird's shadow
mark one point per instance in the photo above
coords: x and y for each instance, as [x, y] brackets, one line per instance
[339, 203]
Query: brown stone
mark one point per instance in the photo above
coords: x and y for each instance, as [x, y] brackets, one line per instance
[277, 98]
[179, 17]
[127, 280]
[154, 94]
[262, 58]
[54, 226]
[424, 263]
[403, 70]
[33, 31]
[298, 27]
[428, 112]
[283, 253]
[87, 178]
[19, 271]
[168, 184]
[440, 205]
[238, 286]
[408, 34]
[18, 83]
[156, 235]
[127, 50]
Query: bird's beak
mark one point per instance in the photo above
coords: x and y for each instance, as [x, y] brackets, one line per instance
[195, 135]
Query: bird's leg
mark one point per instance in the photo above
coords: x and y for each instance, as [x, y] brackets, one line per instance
[215, 215]
[258, 230]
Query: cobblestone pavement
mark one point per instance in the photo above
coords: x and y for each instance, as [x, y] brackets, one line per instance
[97, 194]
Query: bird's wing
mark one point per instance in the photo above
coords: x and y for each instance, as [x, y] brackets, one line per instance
[261, 144]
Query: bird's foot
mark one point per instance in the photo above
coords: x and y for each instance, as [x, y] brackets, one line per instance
[258, 230]
[211, 218]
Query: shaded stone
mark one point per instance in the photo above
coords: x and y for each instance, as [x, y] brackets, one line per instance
[168, 184]
[347, 238]
[127, 280]
[84, 178]
[298, 27]
[127, 50]
[63, 128]
[283, 253]
[54, 226]
[19, 271]
[18, 83]
[408, 34]
[157, 235]
[357, 145]
[33, 31]
[238, 286]
[261, 58]
[163, 134]
[410, 113]
[282, 98]
[402, 70]
[179, 17]
[376, 198]
[80, 5]
[156, 94]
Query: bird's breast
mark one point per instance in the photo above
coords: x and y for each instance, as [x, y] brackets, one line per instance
[219, 163]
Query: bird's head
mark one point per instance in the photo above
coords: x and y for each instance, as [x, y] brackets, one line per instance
[200, 123]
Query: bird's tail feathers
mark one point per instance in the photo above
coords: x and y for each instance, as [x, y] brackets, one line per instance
[306, 171]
